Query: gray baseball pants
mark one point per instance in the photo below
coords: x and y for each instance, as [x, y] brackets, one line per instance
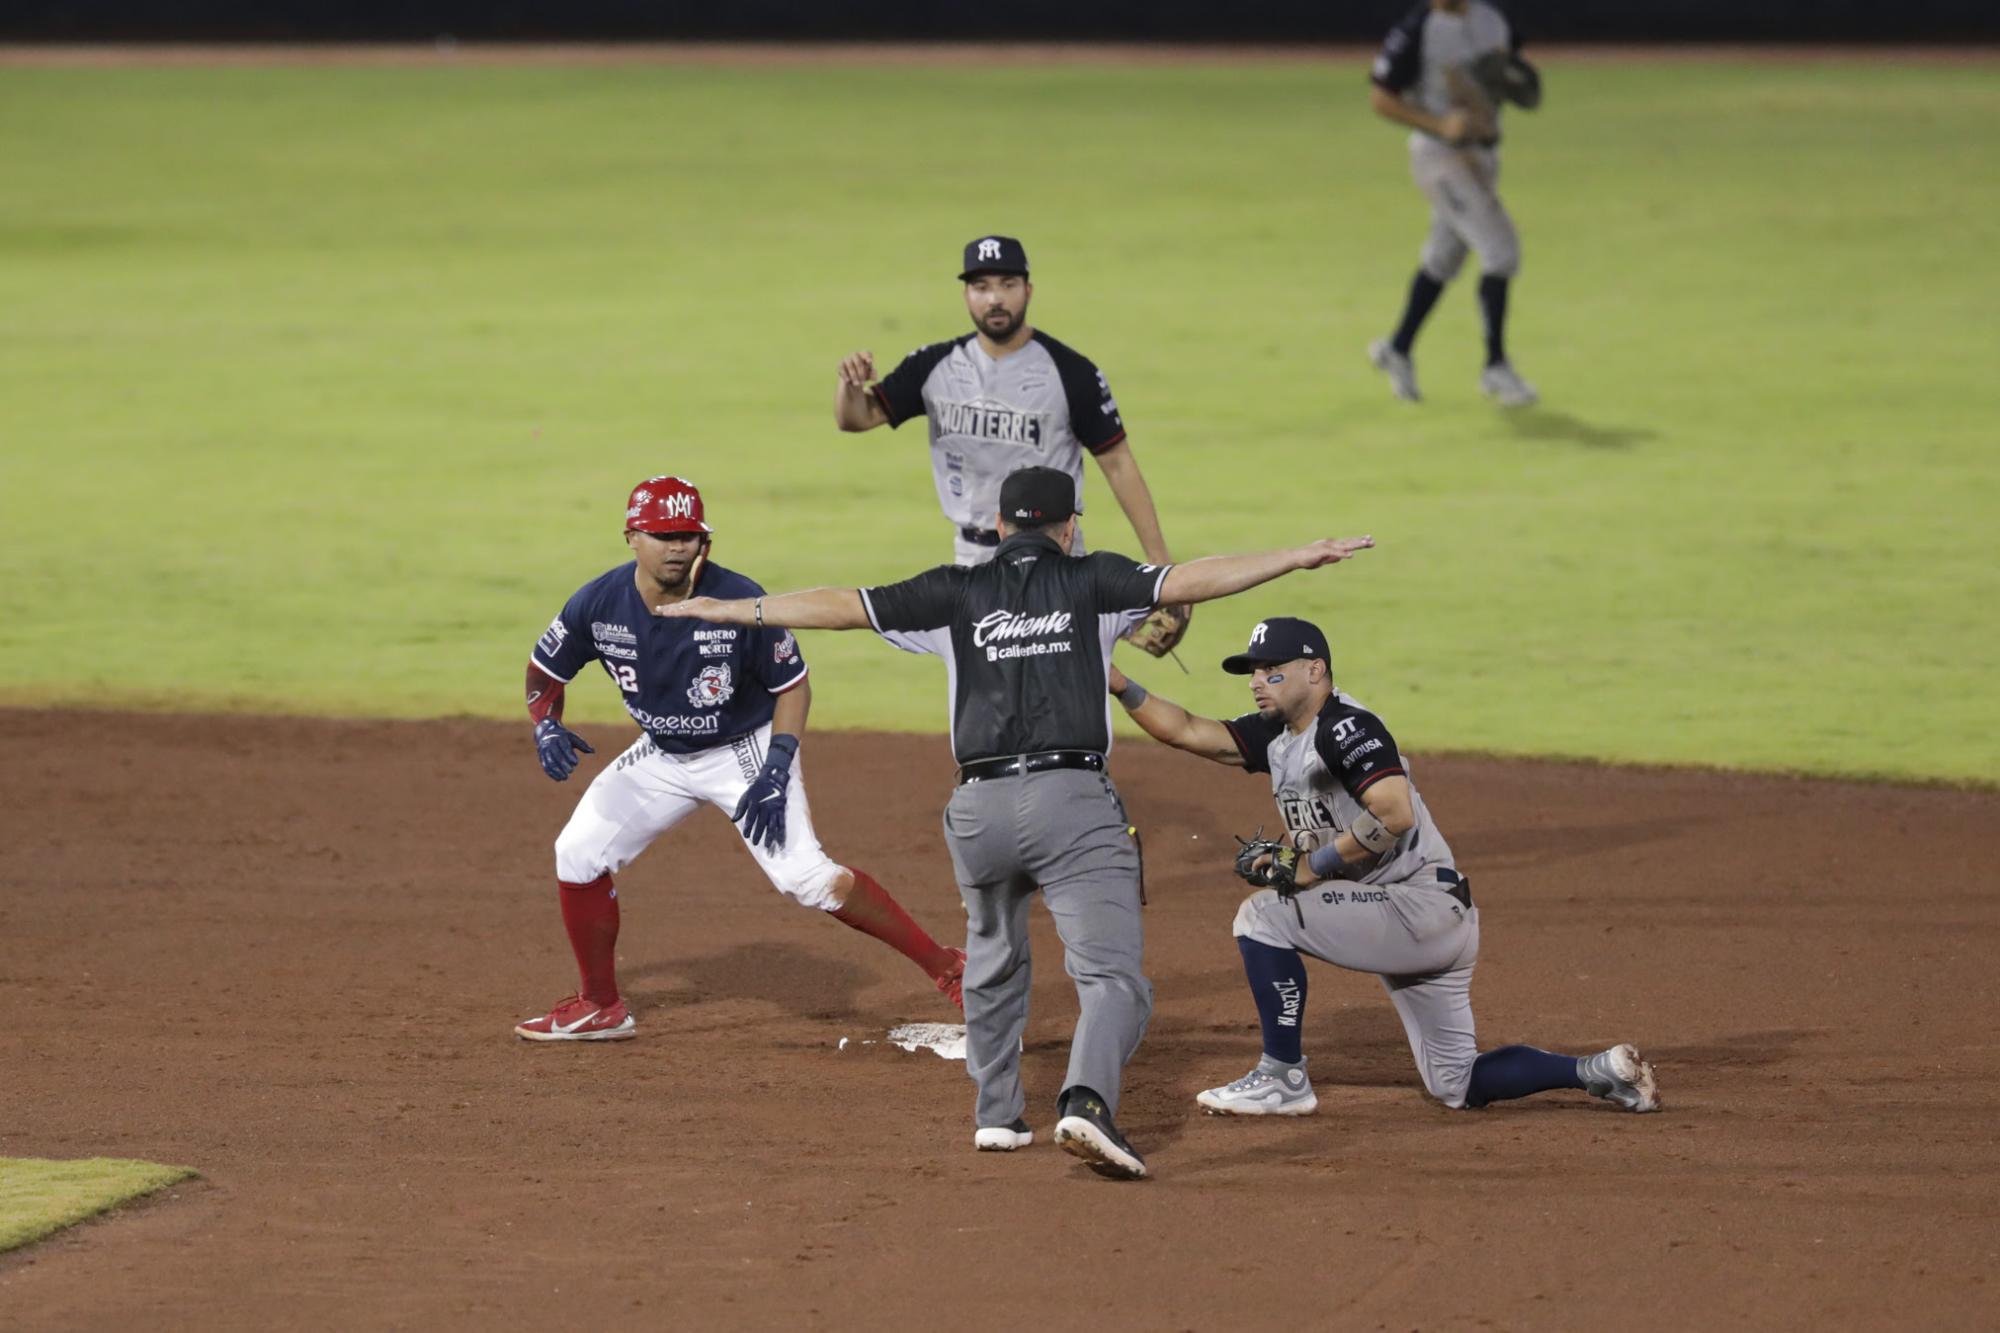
[1413, 935]
[1063, 831]
[1463, 185]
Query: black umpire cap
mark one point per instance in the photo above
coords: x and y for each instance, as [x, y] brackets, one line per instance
[1037, 495]
[994, 254]
[1279, 639]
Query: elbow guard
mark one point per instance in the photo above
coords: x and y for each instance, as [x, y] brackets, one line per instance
[1372, 833]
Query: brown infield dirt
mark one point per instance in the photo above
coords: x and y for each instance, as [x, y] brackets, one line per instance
[290, 953]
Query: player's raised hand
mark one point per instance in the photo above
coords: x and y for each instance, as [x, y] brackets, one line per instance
[556, 746]
[1332, 550]
[857, 370]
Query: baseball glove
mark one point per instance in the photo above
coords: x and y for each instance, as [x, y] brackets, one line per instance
[1505, 77]
[1279, 871]
[1161, 632]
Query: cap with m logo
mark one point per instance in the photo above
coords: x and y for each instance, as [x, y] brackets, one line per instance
[994, 254]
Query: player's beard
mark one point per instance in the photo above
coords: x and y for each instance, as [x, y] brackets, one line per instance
[998, 329]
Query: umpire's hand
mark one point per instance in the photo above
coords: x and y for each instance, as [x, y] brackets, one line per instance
[557, 746]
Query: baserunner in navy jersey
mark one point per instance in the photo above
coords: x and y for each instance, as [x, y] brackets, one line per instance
[722, 710]
[1004, 397]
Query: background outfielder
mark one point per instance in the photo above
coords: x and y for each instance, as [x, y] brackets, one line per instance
[1003, 397]
[1444, 71]
[722, 710]
[1363, 880]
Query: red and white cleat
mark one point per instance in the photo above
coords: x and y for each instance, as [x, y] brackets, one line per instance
[578, 1019]
[952, 984]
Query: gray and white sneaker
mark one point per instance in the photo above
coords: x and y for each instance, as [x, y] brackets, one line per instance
[1003, 1138]
[1499, 382]
[1620, 1077]
[1269, 1089]
[1401, 371]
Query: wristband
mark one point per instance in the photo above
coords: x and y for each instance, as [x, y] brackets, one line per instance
[1328, 863]
[759, 608]
[1133, 696]
[784, 744]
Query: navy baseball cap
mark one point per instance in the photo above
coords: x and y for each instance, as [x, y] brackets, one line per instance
[1037, 495]
[994, 254]
[1279, 639]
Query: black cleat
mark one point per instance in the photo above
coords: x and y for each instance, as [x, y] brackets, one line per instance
[1085, 1130]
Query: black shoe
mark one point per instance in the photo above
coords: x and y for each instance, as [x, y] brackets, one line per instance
[1085, 1130]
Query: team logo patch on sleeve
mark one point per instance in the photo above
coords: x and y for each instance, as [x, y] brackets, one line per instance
[786, 648]
[552, 638]
[712, 688]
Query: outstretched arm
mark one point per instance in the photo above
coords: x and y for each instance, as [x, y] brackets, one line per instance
[1167, 722]
[1216, 576]
[815, 608]
[1121, 471]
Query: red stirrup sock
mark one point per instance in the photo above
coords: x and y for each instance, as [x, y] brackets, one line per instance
[590, 914]
[870, 910]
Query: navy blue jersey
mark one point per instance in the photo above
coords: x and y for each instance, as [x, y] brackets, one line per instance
[690, 684]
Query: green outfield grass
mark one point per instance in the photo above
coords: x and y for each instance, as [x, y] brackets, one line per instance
[40, 1197]
[323, 387]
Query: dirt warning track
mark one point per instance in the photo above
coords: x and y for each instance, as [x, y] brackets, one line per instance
[289, 953]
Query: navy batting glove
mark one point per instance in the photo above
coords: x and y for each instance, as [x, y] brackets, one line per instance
[761, 812]
[557, 745]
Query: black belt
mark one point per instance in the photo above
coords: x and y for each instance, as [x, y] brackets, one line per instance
[1457, 885]
[1007, 766]
[980, 536]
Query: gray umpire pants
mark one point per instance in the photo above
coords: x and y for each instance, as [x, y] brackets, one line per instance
[1062, 831]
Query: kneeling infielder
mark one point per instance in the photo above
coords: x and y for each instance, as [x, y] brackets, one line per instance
[722, 710]
[1363, 880]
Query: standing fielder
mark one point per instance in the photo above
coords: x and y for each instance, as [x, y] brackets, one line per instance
[1004, 397]
[1444, 71]
[723, 711]
[1363, 880]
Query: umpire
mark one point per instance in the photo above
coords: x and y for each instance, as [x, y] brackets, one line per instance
[1028, 639]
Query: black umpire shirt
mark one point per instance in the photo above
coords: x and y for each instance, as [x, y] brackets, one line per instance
[1027, 638]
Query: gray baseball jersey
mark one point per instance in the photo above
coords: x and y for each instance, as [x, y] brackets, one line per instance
[1318, 776]
[1427, 57]
[1041, 405]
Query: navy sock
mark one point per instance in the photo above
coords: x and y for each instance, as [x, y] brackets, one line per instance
[1278, 983]
[1519, 1071]
[1424, 292]
[1493, 304]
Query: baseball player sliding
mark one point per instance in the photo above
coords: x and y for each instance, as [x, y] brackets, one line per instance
[722, 710]
[1004, 397]
[1444, 72]
[1363, 880]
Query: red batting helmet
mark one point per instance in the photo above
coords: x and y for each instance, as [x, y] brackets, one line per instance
[664, 504]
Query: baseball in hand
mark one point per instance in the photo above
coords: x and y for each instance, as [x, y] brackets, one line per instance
[857, 370]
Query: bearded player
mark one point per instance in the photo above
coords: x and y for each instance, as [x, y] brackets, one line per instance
[1363, 880]
[722, 710]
